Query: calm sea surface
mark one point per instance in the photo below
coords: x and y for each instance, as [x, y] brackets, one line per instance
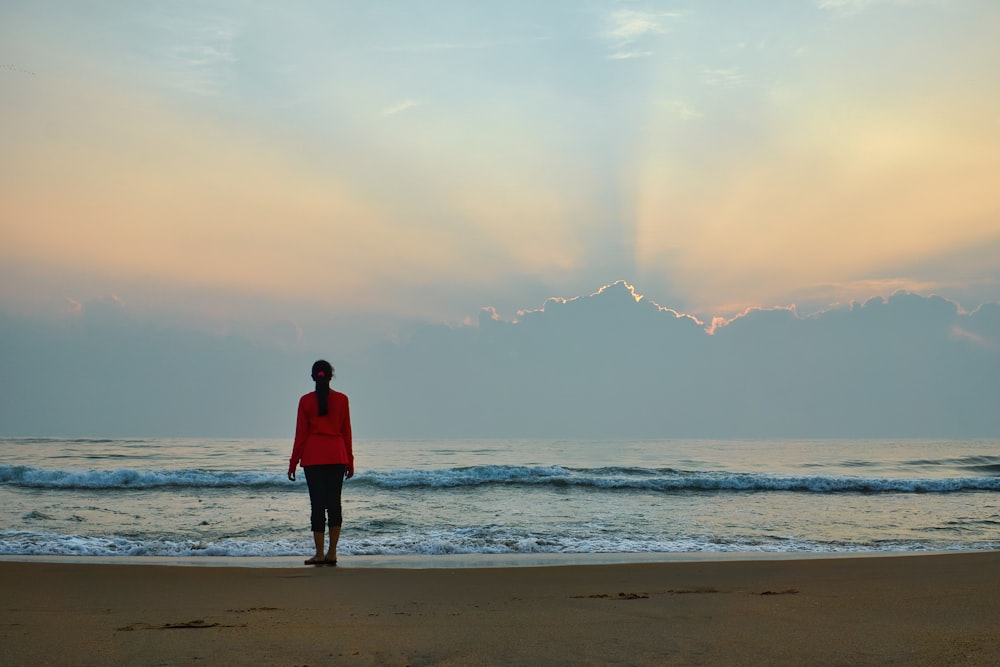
[230, 498]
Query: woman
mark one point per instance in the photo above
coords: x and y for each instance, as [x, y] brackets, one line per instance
[323, 447]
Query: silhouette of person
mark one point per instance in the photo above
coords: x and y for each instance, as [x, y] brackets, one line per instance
[323, 446]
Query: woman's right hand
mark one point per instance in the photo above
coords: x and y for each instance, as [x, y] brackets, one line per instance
[291, 475]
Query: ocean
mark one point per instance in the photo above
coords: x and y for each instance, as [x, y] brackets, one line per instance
[230, 499]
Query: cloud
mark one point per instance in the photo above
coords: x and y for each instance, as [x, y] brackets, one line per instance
[976, 339]
[627, 55]
[628, 27]
[615, 291]
[823, 296]
[73, 307]
[611, 364]
[129, 378]
[779, 311]
[398, 107]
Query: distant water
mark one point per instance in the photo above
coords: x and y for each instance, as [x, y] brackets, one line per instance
[230, 498]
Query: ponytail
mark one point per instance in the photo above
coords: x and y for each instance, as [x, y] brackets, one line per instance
[322, 373]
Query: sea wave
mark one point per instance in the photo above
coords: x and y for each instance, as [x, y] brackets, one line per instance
[126, 478]
[443, 543]
[665, 480]
[671, 480]
[984, 464]
[29, 543]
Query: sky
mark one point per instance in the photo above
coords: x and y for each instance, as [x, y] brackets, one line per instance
[357, 164]
[323, 175]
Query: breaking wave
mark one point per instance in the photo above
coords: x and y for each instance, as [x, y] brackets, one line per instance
[666, 480]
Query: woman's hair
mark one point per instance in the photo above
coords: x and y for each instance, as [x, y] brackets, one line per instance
[322, 373]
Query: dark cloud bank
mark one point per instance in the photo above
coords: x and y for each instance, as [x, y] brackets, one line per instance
[598, 366]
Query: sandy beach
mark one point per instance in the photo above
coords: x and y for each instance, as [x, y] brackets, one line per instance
[908, 610]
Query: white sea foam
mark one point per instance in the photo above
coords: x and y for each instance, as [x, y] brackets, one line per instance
[434, 543]
[608, 478]
[125, 478]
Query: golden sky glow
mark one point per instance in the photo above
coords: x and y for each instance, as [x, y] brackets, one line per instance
[423, 165]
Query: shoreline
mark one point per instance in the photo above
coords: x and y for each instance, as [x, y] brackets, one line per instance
[907, 610]
[476, 561]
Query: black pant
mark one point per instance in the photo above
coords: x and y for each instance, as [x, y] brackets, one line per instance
[325, 483]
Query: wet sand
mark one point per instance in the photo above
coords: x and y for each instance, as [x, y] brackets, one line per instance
[907, 610]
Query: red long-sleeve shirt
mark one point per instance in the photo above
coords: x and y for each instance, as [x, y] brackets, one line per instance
[321, 440]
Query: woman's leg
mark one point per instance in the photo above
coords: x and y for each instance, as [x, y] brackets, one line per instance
[333, 506]
[318, 543]
[331, 555]
[317, 499]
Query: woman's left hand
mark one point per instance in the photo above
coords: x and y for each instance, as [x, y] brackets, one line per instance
[291, 475]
